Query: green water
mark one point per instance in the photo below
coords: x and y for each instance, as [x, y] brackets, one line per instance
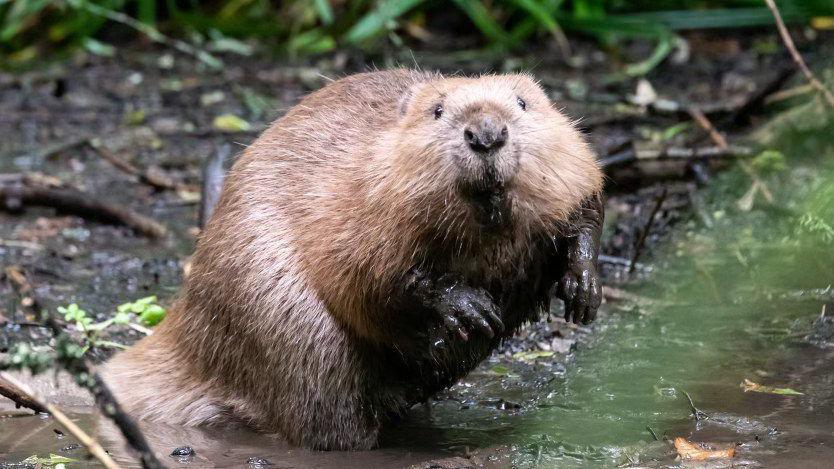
[730, 301]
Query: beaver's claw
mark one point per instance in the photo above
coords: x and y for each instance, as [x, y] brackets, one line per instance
[461, 309]
[580, 289]
[464, 310]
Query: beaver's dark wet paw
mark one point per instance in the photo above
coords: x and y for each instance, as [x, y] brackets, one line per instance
[580, 289]
[465, 310]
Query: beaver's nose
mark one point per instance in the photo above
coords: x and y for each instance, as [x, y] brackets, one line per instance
[485, 135]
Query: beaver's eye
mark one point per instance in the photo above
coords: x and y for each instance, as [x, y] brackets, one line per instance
[521, 103]
[438, 111]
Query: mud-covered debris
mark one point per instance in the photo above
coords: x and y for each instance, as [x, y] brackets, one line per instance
[258, 462]
[183, 452]
[448, 463]
[71, 447]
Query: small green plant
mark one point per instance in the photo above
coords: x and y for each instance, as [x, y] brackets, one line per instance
[146, 309]
[24, 357]
[769, 162]
[92, 331]
[815, 225]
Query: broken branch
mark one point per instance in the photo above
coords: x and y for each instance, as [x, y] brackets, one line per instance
[150, 177]
[78, 203]
[19, 397]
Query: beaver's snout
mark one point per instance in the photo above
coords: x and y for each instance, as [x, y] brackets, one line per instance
[485, 135]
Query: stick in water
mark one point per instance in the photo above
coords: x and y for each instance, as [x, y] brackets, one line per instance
[92, 445]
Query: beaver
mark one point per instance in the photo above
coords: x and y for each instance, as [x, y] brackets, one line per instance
[369, 249]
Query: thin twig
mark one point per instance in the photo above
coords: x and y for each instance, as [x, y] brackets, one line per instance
[654, 435]
[93, 447]
[154, 179]
[19, 397]
[701, 119]
[72, 201]
[797, 57]
[642, 239]
[696, 413]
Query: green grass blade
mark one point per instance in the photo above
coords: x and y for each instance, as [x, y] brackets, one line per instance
[484, 21]
[146, 11]
[325, 11]
[539, 12]
[375, 22]
[19, 15]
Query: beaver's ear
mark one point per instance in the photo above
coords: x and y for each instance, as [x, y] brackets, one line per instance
[407, 97]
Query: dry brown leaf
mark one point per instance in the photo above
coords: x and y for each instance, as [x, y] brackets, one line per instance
[748, 385]
[696, 452]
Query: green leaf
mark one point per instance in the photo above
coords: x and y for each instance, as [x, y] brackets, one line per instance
[121, 318]
[769, 162]
[376, 21]
[532, 355]
[19, 15]
[539, 12]
[148, 300]
[52, 461]
[152, 315]
[314, 41]
[230, 123]
[500, 370]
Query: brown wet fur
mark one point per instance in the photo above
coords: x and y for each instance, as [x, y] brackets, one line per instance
[293, 319]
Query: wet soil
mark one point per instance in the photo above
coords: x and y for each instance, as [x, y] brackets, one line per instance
[157, 110]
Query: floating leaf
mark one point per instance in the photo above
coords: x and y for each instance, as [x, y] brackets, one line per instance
[501, 370]
[748, 385]
[532, 355]
[699, 452]
[53, 460]
[230, 123]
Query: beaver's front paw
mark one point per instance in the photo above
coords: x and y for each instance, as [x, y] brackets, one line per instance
[465, 310]
[580, 289]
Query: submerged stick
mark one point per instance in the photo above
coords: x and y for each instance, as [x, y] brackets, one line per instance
[645, 233]
[93, 447]
[796, 56]
[78, 203]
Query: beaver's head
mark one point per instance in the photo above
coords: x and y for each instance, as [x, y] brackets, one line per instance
[499, 143]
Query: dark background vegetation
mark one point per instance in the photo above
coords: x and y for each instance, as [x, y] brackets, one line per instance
[31, 30]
